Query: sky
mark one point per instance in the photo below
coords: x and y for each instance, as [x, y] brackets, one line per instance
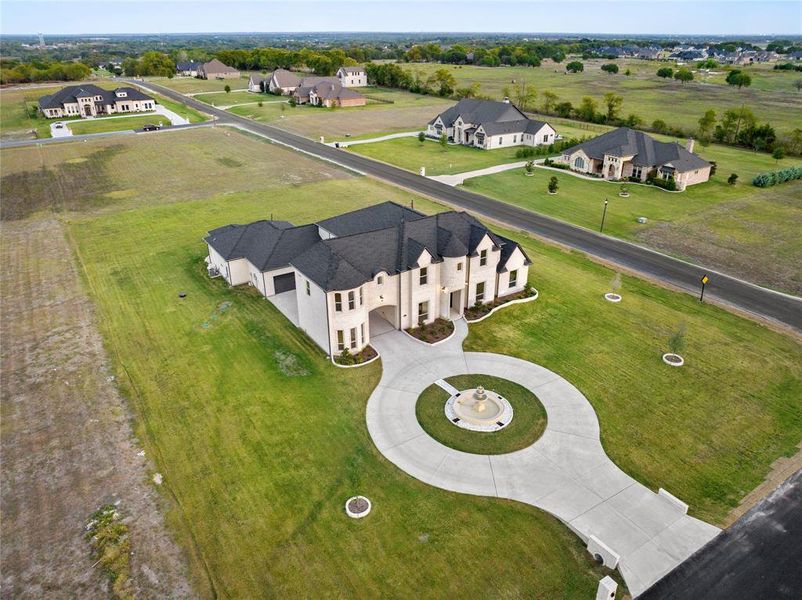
[669, 17]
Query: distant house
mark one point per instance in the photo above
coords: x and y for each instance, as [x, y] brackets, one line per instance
[624, 153]
[488, 124]
[257, 83]
[214, 69]
[283, 82]
[355, 275]
[352, 76]
[326, 91]
[91, 101]
[187, 68]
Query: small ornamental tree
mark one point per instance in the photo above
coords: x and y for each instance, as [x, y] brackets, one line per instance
[530, 166]
[627, 72]
[292, 101]
[732, 178]
[421, 137]
[610, 68]
[574, 67]
[227, 89]
[443, 140]
[665, 72]
[684, 75]
[260, 104]
[615, 283]
[553, 185]
[676, 341]
[779, 153]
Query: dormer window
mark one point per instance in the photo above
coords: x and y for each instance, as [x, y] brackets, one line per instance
[380, 280]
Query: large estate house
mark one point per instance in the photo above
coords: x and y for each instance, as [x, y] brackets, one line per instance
[214, 69]
[371, 270]
[627, 154]
[89, 100]
[317, 91]
[489, 124]
[187, 68]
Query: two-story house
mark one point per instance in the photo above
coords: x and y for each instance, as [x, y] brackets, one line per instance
[352, 76]
[89, 100]
[378, 268]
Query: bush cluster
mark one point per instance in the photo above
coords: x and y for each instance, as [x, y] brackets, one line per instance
[771, 178]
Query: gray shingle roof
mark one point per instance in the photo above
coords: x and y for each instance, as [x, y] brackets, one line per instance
[71, 93]
[285, 78]
[519, 126]
[215, 66]
[645, 150]
[494, 117]
[371, 218]
[187, 65]
[352, 70]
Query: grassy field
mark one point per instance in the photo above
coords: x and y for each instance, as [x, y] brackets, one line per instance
[224, 99]
[117, 123]
[411, 154]
[528, 423]
[193, 85]
[772, 97]
[260, 440]
[401, 111]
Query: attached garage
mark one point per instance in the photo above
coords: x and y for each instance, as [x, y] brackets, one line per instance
[284, 283]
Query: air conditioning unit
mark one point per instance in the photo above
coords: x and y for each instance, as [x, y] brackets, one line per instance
[213, 272]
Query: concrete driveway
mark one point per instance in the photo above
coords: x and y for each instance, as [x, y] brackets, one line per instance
[566, 472]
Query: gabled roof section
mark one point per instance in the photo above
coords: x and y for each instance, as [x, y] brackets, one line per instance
[353, 70]
[479, 112]
[645, 150]
[285, 78]
[215, 66]
[266, 244]
[71, 93]
[371, 218]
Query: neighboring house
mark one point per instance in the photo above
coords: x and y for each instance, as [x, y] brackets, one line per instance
[89, 100]
[326, 91]
[257, 83]
[214, 69]
[488, 124]
[187, 68]
[352, 76]
[283, 82]
[624, 153]
[373, 269]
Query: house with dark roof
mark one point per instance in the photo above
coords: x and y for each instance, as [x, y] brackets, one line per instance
[89, 100]
[187, 68]
[257, 83]
[627, 154]
[352, 76]
[382, 267]
[326, 91]
[283, 82]
[489, 124]
[214, 69]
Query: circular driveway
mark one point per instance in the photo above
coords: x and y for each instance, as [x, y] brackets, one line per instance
[566, 472]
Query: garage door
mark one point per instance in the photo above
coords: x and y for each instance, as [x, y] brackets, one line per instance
[284, 283]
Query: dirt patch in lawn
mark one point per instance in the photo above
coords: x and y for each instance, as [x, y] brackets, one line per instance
[67, 444]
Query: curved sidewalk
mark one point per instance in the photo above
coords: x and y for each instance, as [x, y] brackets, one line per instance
[566, 472]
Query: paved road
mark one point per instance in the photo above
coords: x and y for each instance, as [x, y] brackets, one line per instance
[566, 472]
[760, 556]
[744, 296]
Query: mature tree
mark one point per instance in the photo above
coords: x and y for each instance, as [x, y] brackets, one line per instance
[564, 109]
[549, 100]
[525, 95]
[684, 75]
[739, 78]
[794, 141]
[587, 109]
[611, 68]
[129, 66]
[757, 137]
[613, 103]
[709, 63]
[665, 72]
[659, 126]
[574, 66]
[442, 82]
[632, 120]
[155, 63]
[706, 124]
[472, 91]
[732, 122]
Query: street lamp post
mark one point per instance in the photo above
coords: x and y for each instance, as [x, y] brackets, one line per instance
[604, 214]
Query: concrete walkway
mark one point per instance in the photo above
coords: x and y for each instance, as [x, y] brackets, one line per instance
[383, 138]
[459, 178]
[566, 472]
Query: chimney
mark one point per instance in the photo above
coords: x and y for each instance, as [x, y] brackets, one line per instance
[689, 144]
[506, 100]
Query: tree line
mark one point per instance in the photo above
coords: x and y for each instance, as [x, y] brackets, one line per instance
[16, 72]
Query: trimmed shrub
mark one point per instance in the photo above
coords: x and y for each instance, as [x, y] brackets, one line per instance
[771, 178]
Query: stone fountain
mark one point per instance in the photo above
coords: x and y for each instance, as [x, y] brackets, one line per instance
[478, 410]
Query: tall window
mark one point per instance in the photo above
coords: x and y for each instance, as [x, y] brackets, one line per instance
[362, 332]
[546, 137]
[380, 280]
[308, 289]
[361, 297]
[423, 312]
[579, 163]
[351, 301]
[513, 279]
[459, 266]
[338, 302]
[424, 275]
[480, 291]
[483, 258]
[500, 141]
[340, 340]
[353, 338]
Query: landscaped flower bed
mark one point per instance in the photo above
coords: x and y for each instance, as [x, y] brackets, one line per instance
[437, 330]
[480, 310]
[363, 356]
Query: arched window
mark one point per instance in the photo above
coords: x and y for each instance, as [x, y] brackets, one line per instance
[579, 163]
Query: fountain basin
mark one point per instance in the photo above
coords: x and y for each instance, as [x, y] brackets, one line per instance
[477, 409]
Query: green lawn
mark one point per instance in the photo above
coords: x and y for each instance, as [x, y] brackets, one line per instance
[528, 422]
[411, 154]
[117, 123]
[260, 440]
[193, 85]
[772, 96]
[235, 98]
[192, 115]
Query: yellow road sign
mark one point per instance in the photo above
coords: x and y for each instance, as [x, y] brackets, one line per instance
[705, 279]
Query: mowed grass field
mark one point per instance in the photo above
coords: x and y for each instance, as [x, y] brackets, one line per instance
[227, 99]
[193, 85]
[400, 111]
[645, 94]
[117, 123]
[260, 440]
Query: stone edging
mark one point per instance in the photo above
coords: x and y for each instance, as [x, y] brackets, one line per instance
[511, 302]
[673, 364]
[612, 297]
[437, 343]
[367, 362]
[506, 415]
[354, 515]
